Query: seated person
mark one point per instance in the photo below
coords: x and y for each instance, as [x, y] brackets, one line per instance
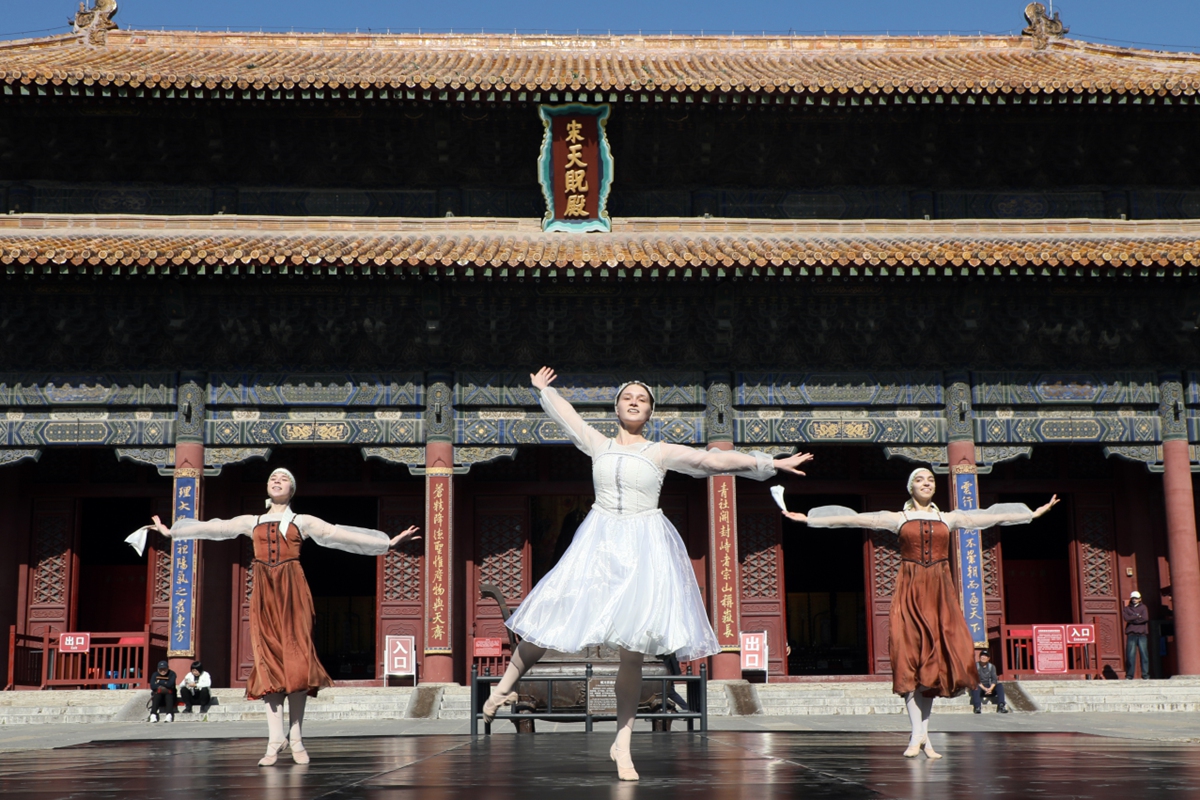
[162, 692]
[989, 685]
[195, 687]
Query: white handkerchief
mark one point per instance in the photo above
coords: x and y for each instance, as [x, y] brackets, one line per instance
[777, 493]
[137, 539]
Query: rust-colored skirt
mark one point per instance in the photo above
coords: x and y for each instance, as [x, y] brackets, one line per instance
[281, 625]
[928, 640]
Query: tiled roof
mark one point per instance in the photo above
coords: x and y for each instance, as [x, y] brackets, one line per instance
[667, 248]
[950, 64]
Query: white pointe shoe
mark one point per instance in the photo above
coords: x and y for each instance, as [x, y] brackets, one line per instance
[273, 751]
[929, 751]
[914, 748]
[495, 702]
[625, 770]
[299, 754]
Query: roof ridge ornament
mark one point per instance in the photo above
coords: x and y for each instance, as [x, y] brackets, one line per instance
[1042, 27]
[96, 21]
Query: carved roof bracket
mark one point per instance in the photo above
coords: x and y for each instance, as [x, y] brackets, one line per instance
[1150, 454]
[935, 456]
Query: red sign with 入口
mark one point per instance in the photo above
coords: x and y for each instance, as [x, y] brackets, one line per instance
[1049, 648]
[754, 651]
[74, 642]
[488, 647]
[400, 658]
[1081, 634]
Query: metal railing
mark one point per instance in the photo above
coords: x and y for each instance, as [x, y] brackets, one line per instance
[1016, 647]
[697, 698]
[122, 660]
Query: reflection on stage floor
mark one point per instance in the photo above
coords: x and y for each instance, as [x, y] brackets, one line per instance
[719, 765]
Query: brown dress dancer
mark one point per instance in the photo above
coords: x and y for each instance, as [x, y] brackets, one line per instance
[281, 618]
[281, 605]
[929, 644]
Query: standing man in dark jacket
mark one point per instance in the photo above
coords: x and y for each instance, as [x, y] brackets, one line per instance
[162, 692]
[1137, 630]
[989, 685]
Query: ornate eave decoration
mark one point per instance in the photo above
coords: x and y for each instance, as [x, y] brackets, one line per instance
[575, 168]
[17, 455]
[1151, 455]
[1042, 27]
[935, 456]
[414, 457]
[215, 458]
[96, 21]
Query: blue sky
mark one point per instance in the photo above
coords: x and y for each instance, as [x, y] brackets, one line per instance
[1161, 24]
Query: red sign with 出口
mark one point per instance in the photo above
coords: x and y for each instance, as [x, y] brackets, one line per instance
[74, 642]
[754, 651]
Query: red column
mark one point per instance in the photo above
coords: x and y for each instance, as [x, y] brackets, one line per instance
[439, 549]
[1185, 560]
[723, 580]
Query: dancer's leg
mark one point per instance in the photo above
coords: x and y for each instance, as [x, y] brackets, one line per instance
[926, 705]
[275, 738]
[629, 692]
[914, 719]
[525, 656]
[296, 703]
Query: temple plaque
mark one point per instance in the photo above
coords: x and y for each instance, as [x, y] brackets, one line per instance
[575, 168]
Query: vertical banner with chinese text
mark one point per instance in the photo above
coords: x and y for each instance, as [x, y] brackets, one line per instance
[183, 567]
[970, 554]
[723, 566]
[575, 168]
[438, 557]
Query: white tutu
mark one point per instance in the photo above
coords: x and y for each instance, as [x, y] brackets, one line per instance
[625, 581]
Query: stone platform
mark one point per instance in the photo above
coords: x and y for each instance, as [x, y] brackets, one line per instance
[726, 699]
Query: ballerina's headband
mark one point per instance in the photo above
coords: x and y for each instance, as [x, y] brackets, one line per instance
[626, 385]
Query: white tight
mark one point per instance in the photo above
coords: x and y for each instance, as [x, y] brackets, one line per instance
[296, 703]
[628, 688]
[919, 708]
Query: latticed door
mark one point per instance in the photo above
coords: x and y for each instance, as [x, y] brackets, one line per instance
[882, 564]
[760, 557]
[400, 576]
[52, 566]
[502, 558]
[1094, 569]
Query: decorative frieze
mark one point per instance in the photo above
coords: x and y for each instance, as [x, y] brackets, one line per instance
[1035, 388]
[287, 389]
[135, 389]
[499, 389]
[839, 388]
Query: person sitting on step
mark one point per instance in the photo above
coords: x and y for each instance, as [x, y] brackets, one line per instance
[196, 688]
[989, 685]
[162, 692]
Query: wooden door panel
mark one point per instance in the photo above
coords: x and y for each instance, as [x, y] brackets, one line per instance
[502, 558]
[400, 576]
[760, 560]
[1093, 553]
[882, 566]
[52, 563]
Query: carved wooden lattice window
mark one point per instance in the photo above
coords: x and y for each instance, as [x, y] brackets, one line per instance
[162, 572]
[758, 534]
[885, 546]
[248, 565]
[402, 572]
[500, 544]
[991, 568]
[1096, 545]
[50, 557]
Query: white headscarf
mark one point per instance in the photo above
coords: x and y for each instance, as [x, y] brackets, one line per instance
[909, 505]
[286, 472]
[626, 385]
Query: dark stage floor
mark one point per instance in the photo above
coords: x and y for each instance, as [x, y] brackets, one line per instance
[576, 766]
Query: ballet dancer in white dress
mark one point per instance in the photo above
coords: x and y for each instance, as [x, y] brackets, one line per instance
[626, 581]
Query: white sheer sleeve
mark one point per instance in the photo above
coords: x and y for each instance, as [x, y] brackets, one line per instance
[362, 541]
[704, 463]
[185, 528]
[582, 435]
[842, 517]
[999, 514]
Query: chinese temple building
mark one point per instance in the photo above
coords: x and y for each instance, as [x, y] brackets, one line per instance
[225, 253]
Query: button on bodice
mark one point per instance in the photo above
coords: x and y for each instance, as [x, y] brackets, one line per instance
[272, 548]
[924, 541]
[627, 481]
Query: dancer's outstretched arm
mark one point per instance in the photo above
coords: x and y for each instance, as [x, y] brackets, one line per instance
[581, 434]
[185, 528]
[842, 517]
[999, 514]
[363, 541]
[704, 463]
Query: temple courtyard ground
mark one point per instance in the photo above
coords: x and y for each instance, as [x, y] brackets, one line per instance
[1085, 755]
